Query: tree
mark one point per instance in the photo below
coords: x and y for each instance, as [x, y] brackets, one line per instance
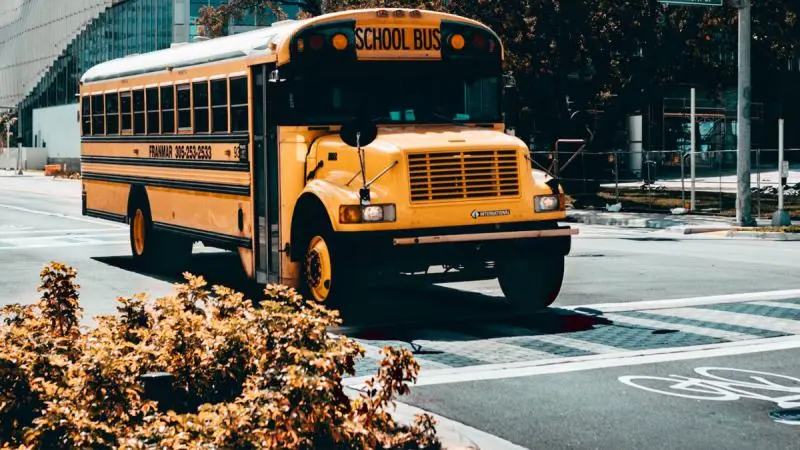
[623, 54]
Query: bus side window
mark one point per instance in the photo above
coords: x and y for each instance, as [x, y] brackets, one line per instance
[200, 99]
[239, 104]
[98, 115]
[152, 110]
[112, 113]
[138, 111]
[167, 109]
[184, 107]
[86, 117]
[125, 108]
[219, 105]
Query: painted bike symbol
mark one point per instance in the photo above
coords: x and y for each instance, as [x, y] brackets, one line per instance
[736, 384]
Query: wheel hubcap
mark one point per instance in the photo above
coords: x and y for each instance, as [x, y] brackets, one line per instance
[138, 232]
[318, 268]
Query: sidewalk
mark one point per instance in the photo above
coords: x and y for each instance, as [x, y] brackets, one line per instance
[683, 224]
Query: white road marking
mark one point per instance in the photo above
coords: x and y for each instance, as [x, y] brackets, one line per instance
[59, 232]
[732, 318]
[489, 350]
[653, 323]
[576, 343]
[786, 305]
[692, 301]
[580, 363]
[63, 216]
[556, 339]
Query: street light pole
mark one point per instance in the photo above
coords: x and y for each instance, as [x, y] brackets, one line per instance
[743, 202]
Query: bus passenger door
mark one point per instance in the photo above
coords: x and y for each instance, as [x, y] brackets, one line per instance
[265, 168]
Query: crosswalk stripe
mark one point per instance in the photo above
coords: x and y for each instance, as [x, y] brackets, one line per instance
[726, 317]
[563, 341]
[13, 233]
[720, 334]
[488, 350]
[576, 343]
[786, 305]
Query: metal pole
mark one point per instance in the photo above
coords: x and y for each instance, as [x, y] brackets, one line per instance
[693, 156]
[19, 158]
[743, 195]
[780, 164]
[780, 218]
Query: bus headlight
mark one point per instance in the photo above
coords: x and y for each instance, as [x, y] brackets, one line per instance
[368, 213]
[546, 203]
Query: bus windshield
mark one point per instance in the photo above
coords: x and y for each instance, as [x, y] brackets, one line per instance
[402, 93]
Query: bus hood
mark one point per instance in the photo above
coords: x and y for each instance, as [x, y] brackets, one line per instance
[393, 140]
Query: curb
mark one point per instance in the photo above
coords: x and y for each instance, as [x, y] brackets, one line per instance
[656, 223]
[769, 236]
[449, 436]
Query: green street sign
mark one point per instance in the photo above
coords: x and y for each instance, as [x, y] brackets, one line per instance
[693, 2]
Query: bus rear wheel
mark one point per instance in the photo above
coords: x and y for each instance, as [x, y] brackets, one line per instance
[141, 233]
[156, 248]
[531, 284]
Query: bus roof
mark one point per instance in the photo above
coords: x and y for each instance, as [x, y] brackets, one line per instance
[251, 43]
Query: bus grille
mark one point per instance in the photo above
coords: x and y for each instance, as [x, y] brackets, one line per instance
[463, 175]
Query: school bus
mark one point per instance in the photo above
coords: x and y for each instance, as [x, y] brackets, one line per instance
[327, 152]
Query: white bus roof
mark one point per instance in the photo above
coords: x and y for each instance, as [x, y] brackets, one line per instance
[239, 45]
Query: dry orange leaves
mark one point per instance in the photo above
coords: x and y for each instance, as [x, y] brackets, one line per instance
[244, 375]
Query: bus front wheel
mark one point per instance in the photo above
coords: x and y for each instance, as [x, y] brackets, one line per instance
[531, 283]
[325, 277]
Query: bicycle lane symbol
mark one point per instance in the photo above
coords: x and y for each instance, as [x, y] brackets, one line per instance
[716, 387]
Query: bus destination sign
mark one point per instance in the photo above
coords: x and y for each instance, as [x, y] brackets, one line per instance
[376, 42]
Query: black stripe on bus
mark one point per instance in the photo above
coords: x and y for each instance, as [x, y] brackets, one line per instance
[209, 237]
[233, 166]
[106, 215]
[216, 188]
[173, 138]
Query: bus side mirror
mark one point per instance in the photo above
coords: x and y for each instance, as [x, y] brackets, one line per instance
[358, 133]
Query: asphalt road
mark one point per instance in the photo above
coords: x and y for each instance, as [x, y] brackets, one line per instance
[468, 342]
[595, 409]
[40, 221]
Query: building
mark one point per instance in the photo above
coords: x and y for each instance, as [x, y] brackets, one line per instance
[46, 45]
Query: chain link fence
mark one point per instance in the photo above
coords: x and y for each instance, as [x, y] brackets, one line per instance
[660, 181]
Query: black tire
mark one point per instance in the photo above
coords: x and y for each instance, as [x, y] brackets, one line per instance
[140, 231]
[159, 249]
[531, 284]
[326, 275]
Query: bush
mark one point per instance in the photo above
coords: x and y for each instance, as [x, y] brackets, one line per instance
[243, 376]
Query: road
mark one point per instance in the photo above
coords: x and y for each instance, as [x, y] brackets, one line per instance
[635, 302]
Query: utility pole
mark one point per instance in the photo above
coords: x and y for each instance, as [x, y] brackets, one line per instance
[743, 195]
[693, 154]
[781, 217]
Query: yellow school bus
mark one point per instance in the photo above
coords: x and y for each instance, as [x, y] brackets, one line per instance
[327, 152]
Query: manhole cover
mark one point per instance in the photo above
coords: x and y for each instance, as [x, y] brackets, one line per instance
[789, 415]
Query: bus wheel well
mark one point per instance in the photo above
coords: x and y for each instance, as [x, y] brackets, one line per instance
[136, 195]
[309, 212]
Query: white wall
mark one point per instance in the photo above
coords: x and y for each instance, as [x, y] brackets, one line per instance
[31, 159]
[58, 130]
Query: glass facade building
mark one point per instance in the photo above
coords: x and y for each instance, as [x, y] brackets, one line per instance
[128, 27]
[46, 45]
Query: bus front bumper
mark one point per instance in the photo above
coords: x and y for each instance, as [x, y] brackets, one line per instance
[414, 249]
[483, 237]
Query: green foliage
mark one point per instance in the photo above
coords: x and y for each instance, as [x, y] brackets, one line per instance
[619, 55]
[245, 376]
